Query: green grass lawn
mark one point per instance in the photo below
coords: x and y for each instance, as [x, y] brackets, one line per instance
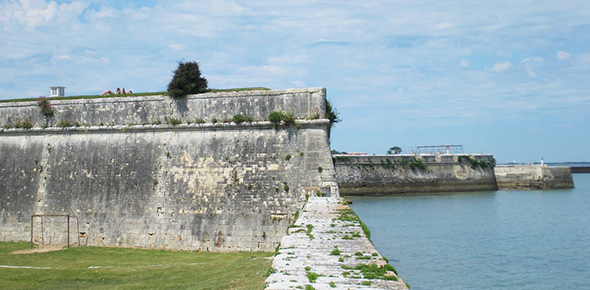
[117, 268]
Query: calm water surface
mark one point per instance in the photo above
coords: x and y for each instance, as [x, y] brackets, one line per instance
[487, 240]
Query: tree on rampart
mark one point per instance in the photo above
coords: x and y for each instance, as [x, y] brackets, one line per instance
[187, 80]
[394, 150]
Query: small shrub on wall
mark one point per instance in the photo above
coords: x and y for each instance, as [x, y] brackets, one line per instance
[238, 119]
[173, 121]
[24, 124]
[289, 118]
[332, 114]
[45, 106]
[277, 116]
[67, 123]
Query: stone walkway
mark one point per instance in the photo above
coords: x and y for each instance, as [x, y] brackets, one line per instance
[326, 249]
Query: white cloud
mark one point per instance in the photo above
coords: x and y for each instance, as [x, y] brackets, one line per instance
[445, 25]
[530, 63]
[104, 14]
[60, 58]
[79, 59]
[37, 13]
[501, 66]
[562, 55]
[419, 50]
[532, 59]
[177, 46]
[530, 72]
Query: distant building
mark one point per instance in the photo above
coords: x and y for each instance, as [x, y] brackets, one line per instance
[58, 91]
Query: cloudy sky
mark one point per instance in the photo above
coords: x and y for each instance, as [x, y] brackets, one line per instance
[511, 78]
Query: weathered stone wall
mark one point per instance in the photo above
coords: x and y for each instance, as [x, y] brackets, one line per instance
[533, 177]
[398, 174]
[303, 103]
[212, 187]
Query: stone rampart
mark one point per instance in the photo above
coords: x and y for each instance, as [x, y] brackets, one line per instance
[210, 107]
[409, 173]
[132, 180]
[533, 176]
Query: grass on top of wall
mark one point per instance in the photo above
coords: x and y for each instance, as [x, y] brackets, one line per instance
[123, 268]
[133, 95]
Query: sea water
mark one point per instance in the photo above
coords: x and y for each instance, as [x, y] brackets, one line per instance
[506, 239]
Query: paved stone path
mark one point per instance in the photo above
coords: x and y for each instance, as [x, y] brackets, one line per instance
[324, 247]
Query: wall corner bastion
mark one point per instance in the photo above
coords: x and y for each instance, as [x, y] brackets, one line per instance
[134, 178]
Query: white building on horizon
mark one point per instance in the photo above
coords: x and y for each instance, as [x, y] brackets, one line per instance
[58, 91]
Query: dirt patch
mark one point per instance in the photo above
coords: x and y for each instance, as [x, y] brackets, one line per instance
[40, 249]
[341, 207]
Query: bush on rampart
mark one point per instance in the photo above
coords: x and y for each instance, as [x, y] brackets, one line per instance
[45, 106]
[187, 80]
[238, 119]
[277, 116]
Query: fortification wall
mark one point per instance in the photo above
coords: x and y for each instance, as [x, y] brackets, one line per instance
[303, 103]
[212, 187]
[402, 174]
[533, 176]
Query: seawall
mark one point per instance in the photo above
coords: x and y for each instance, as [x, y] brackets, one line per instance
[327, 248]
[533, 177]
[155, 172]
[409, 173]
[580, 169]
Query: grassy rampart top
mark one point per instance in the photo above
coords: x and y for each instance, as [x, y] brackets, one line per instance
[131, 95]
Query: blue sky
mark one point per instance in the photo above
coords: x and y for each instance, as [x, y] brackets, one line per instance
[510, 78]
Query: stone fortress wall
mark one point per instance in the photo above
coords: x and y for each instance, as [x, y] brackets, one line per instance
[156, 172]
[533, 176]
[414, 173]
[429, 173]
